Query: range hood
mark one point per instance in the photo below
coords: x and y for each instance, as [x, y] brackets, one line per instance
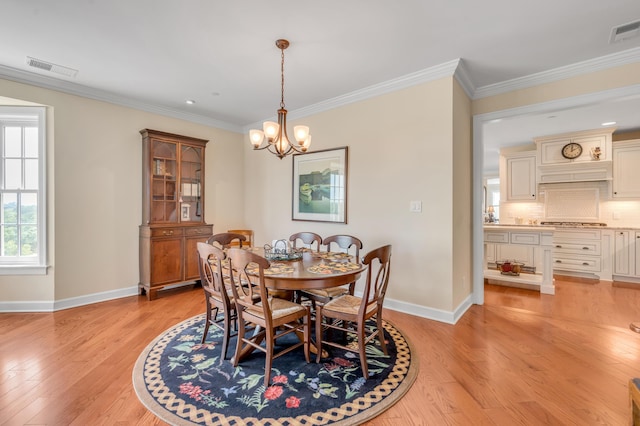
[592, 162]
[591, 171]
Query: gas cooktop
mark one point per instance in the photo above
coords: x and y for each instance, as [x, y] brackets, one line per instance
[574, 224]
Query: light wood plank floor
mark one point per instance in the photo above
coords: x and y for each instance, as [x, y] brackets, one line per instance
[521, 359]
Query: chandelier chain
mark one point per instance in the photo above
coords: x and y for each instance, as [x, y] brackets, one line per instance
[275, 134]
[282, 79]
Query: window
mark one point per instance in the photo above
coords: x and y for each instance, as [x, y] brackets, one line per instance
[493, 197]
[22, 191]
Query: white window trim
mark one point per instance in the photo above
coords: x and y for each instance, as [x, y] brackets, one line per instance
[39, 265]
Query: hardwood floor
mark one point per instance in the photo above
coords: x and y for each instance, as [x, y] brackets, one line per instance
[521, 359]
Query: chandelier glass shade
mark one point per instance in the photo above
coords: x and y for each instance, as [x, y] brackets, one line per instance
[273, 136]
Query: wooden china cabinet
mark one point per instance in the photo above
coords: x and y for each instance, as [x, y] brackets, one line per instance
[172, 210]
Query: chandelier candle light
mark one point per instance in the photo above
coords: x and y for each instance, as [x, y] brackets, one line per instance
[276, 133]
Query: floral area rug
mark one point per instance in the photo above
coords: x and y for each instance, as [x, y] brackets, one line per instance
[184, 382]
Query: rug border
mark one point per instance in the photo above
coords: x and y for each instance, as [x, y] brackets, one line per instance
[165, 415]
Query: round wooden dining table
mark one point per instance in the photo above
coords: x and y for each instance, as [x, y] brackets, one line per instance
[315, 270]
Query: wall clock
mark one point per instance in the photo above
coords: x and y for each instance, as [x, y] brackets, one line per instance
[572, 150]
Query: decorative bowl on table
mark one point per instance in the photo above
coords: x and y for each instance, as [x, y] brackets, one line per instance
[281, 250]
[508, 267]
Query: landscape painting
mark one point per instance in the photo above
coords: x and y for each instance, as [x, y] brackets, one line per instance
[320, 186]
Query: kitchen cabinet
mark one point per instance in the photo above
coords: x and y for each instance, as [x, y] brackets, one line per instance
[594, 162]
[550, 147]
[172, 210]
[578, 250]
[513, 252]
[490, 255]
[529, 245]
[626, 173]
[520, 176]
[627, 255]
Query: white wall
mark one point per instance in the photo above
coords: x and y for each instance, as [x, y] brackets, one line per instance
[94, 206]
[400, 149]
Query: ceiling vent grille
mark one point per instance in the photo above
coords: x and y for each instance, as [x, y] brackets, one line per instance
[625, 32]
[48, 66]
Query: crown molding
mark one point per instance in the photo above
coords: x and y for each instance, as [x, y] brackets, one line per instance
[45, 82]
[454, 68]
[437, 72]
[462, 75]
[592, 98]
[625, 57]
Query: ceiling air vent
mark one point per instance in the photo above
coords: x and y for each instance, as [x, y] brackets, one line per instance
[48, 66]
[625, 32]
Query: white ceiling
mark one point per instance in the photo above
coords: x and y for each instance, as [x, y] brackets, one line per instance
[159, 53]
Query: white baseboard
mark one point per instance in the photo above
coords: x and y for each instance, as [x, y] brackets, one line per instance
[448, 317]
[57, 305]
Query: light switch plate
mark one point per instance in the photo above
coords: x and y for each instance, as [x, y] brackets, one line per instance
[415, 206]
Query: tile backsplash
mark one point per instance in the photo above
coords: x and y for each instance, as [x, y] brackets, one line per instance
[579, 201]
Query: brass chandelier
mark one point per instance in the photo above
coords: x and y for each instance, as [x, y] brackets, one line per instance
[277, 140]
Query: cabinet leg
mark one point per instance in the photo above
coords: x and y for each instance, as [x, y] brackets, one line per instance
[152, 294]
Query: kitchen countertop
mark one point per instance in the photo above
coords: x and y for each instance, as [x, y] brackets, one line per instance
[522, 227]
[513, 225]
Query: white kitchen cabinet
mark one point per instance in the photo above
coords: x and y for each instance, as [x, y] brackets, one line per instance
[626, 173]
[550, 149]
[529, 245]
[627, 254]
[516, 253]
[520, 179]
[578, 250]
[553, 167]
[513, 246]
[490, 254]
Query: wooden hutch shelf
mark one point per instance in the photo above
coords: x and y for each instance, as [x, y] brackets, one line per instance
[172, 210]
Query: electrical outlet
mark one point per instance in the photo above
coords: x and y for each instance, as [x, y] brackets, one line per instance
[616, 215]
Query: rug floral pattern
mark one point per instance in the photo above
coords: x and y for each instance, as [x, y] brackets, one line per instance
[186, 382]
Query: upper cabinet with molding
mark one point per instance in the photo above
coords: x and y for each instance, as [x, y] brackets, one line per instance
[575, 157]
[626, 170]
[518, 176]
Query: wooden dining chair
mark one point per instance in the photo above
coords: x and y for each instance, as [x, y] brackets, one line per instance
[218, 297]
[271, 317]
[228, 239]
[308, 239]
[345, 243]
[350, 314]
[248, 234]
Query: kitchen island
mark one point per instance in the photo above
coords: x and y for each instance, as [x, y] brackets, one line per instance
[537, 243]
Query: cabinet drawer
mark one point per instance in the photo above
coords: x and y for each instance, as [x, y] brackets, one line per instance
[586, 264]
[583, 234]
[578, 247]
[525, 238]
[166, 232]
[496, 237]
[200, 231]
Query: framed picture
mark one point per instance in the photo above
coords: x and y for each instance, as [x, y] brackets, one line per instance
[320, 186]
[186, 212]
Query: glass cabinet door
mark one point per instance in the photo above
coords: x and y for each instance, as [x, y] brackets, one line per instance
[190, 183]
[164, 204]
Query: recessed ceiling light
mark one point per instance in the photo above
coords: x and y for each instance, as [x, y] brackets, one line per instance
[609, 123]
[190, 101]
